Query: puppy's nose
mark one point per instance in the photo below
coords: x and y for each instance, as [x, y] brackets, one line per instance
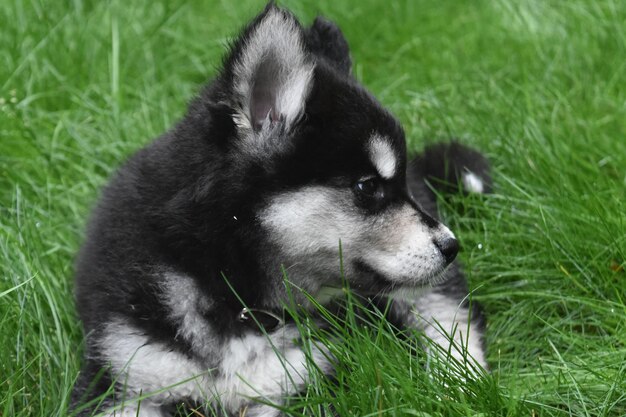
[449, 247]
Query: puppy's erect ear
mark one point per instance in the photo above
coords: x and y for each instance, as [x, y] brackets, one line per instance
[270, 71]
[326, 41]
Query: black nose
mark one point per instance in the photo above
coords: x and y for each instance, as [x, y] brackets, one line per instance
[449, 247]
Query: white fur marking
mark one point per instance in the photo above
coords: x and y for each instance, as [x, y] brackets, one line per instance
[382, 155]
[250, 366]
[255, 366]
[410, 256]
[307, 224]
[447, 324]
[473, 183]
[145, 366]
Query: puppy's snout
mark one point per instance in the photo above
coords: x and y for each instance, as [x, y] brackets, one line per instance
[448, 246]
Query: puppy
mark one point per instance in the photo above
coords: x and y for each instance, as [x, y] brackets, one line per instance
[284, 156]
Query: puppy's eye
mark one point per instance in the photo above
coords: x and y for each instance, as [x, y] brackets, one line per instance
[370, 187]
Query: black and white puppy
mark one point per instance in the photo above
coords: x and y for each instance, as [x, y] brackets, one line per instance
[283, 156]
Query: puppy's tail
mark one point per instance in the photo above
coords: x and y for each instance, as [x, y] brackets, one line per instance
[450, 168]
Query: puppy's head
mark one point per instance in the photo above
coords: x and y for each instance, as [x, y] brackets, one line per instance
[319, 163]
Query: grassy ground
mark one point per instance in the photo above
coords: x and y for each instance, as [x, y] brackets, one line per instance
[539, 86]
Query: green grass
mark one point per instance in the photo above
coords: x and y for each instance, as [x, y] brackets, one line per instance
[538, 86]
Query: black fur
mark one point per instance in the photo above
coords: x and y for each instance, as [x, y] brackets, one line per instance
[326, 40]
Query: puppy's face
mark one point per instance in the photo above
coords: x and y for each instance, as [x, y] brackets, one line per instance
[328, 164]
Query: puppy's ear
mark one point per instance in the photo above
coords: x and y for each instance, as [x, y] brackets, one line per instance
[326, 41]
[269, 72]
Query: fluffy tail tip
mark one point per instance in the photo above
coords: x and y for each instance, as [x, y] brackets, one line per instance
[452, 167]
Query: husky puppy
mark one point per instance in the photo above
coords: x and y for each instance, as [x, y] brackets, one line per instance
[281, 157]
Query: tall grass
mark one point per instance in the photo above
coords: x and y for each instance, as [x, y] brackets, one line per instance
[538, 86]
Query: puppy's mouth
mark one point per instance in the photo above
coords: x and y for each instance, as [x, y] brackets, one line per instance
[370, 281]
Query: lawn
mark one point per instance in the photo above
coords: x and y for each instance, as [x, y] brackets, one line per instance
[539, 86]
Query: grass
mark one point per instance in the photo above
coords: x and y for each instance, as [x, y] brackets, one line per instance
[538, 86]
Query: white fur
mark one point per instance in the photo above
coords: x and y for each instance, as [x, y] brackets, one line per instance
[279, 38]
[472, 182]
[145, 366]
[409, 256]
[252, 366]
[382, 155]
[307, 225]
[310, 220]
[447, 324]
